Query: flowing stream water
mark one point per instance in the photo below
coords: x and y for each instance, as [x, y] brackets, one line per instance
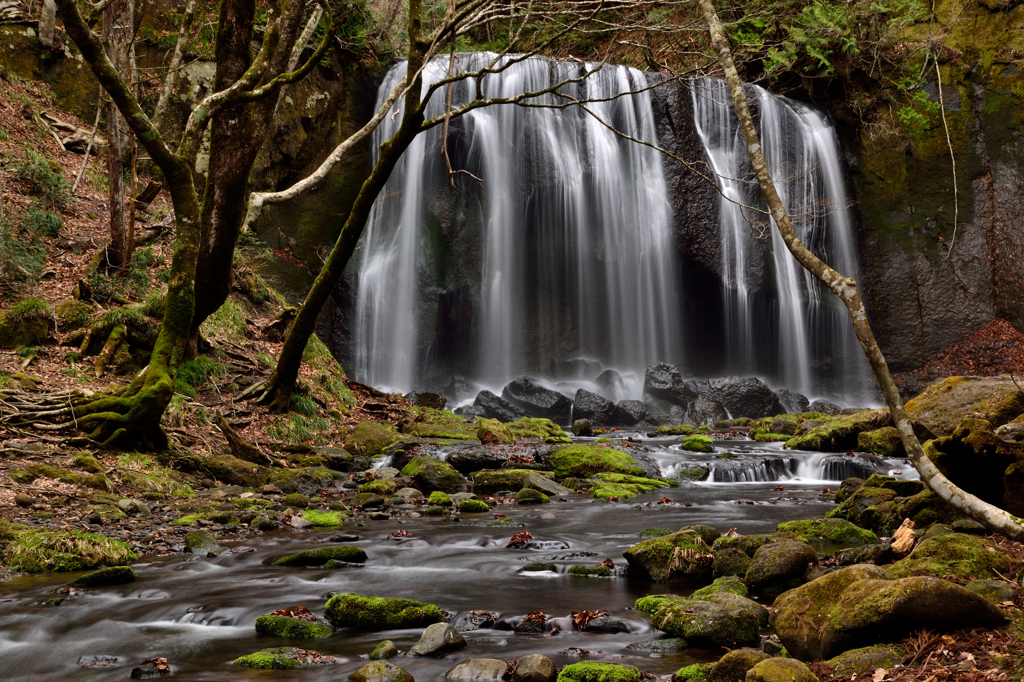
[199, 612]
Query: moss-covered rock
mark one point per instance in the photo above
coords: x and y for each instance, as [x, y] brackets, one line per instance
[381, 486]
[840, 433]
[285, 626]
[473, 507]
[72, 315]
[700, 622]
[296, 500]
[39, 551]
[780, 670]
[112, 575]
[326, 519]
[373, 438]
[982, 463]
[492, 481]
[623, 486]
[591, 571]
[956, 554]
[875, 611]
[380, 613]
[681, 556]
[696, 672]
[321, 555]
[231, 470]
[530, 496]
[384, 651]
[698, 443]
[735, 664]
[866, 659]
[432, 474]
[778, 567]
[731, 584]
[831, 531]
[730, 562]
[748, 544]
[433, 423]
[283, 658]
[590, 671]
[944, 404]
[581, 460]
[996, 591]
[493, 432]
[799, 614]
[26, 323]
[381, 671]
[536, 427]
[440, 499]
[884, 441]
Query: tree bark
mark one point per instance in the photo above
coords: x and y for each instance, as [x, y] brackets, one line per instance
[846, 289]
[47, 18]
[118, 29]
[172, 70]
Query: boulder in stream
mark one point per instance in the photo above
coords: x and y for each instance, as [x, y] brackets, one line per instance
[432, 474]
[581, 460]
[380, 613]
[283, 658]
[742, 397]
[495, 407]
[830, 531]
[384, 651]
[320, 556]
[478, 669]
[701, 623]
[536, 400]
[957, 554]
[592, 407]
[437, 639]
[534, 668]
[381, 671]
[631, 413]
[778, 567]
[591, 671]
[735, 664]
[112, 575]
[780, 670]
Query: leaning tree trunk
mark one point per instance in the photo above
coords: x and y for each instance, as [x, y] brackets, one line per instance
[118, 29]
[47, 19]
[846, 289]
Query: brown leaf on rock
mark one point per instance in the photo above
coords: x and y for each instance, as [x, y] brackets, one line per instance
[581, 618]
[520, 540]
[298, 613]
[537, 616]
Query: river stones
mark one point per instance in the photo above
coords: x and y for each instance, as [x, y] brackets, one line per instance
[592, 408]
[958, 554]
[477, 669]
[495, 407]
[384, 651]
[438, 638]
[780, 670]
[544, 484]
[287, 626]
[606, 625]
[535, 400]
[534, 668]
[631, 413]
[381, 671]
[380, 613]
[735, 664]
[748, 544]
[320, 556]
[113, 575]
[734, 602]
[866, 659]
[537, 567]
[580, 460]
[531, 496]
[729, 583]
[589, 671]
[995, 591]
[367, 500]
[778, 567]
[799, 614]
[683, 555]
[432, 474]
[660, 646]
[283, 658]
[832, 531]
[873, 611]
[730, 562]
[701, 623]
[200, 542]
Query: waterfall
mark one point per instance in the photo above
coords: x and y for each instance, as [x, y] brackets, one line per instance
[810, 324]
[576, 251]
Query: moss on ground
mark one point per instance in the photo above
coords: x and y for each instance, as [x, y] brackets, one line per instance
[697, 672]
[39, 551]
[832, 531]
[473, 507]
[381, 486]
[698, 443]
[326, 519]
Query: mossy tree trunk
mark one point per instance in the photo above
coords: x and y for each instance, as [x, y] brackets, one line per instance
[846, 289]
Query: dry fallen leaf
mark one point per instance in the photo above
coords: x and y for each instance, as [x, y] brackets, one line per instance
[879, 675]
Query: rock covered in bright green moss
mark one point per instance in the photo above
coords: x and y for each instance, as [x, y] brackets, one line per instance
[581, 460]
[432, 474]
[591, 671]
[283, 658]
[367, 501]
[380, 613]
[875, 611]
[684, 555]
[996, 591]
[957, 554]
[285, 626]
[372, 438]
[440, 499]
[799, 614]
[832, 531]
[943, 404]
[473, 507]
[840, 433]
[696, 672]
[493, 432]
[381, 671]
[748, 544]
[780, 566]
[866, 659]
[325, 519]
[39, 551]
[530, 496]
[321, 555]
[112, 575]
[727, 584]
[535, 427]
[381, 486]
[884, 441]
[698, 443]
[493, 481]
[384, 651]
[624, 486]
[701, 623]
[297, 500]
[735, 664]
[780, 670]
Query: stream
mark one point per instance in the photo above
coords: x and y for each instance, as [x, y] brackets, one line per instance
[199, 612]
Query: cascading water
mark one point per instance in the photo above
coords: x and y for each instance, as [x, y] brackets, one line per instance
[576, 250]
[802, 151]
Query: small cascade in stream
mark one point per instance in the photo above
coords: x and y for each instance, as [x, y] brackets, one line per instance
[558, 241]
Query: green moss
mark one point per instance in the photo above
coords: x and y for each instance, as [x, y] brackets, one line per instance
[381, 486]
[698, 443]
[72, 315]
[492, 431]
[768, 437]
[266, 660]
[320, 556]
[431, 423]
[884, 441]
[730, 584]
[491, 481]
[623, 486]
[39, 551]
[531, 496]
[591, 571]
[439, 498]
[655, 533]
[188, 518]
[684, 555]
[473, 507]
[583, 460]
[681, 430]
[840, 433]
[533, 427]
[697, 672]
[380, 613]
[297, 500]
[112, 575]
[372, 438]
[283, 626]
[832, 531]
[956, 554]
[433, 474]
[589, 671]
[325, 519]
[866, 659]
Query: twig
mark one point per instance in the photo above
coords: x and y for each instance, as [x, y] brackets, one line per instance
[52, 132]
[92, 138]
[956, 193]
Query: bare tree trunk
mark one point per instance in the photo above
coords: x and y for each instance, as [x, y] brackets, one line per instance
[172, 70]
[118, 28]
[846, 289]
[47, 18]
